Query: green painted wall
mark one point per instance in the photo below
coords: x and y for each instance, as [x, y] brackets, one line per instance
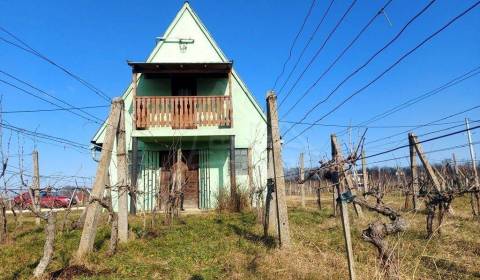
[162, 86]
[212, 86]
[154, 87]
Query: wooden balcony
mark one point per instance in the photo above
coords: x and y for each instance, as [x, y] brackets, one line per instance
[183, 112]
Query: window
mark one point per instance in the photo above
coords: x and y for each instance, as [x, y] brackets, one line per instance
[241, 161]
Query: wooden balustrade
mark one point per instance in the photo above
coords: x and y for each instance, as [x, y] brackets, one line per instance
[183, 111]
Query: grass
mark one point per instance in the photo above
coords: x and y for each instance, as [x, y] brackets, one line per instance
[229, 246]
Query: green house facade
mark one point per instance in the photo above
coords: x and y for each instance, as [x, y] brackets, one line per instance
[187, 96]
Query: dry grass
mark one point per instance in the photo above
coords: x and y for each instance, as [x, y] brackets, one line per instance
[224, 202]
[229, 246]
[452, 255]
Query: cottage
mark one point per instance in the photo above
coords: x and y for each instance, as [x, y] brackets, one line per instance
[187, 97]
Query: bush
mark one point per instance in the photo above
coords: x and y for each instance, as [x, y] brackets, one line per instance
[243, 199]
[223, 200]
[225, 203]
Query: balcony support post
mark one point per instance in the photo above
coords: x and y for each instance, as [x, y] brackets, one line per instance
[134, 94]
[134, 176]
[230, 84]
[233, 181]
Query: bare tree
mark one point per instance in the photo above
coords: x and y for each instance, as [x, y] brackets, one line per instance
[68, 210]
[3, 220]
[50, 217]
[3, 198]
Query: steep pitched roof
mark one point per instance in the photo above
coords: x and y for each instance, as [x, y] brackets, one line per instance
[187, 25]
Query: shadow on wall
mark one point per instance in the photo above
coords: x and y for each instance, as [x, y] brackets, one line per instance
[211, 86]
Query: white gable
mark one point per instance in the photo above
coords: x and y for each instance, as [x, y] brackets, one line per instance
[198, 45]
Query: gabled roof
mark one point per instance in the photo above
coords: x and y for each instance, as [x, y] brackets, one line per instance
[211, 53]
[184, 16]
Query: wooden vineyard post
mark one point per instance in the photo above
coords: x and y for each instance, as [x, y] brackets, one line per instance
[346, 234]
[270, 219]
[364, 172]
[94, 208]
[318, 190]
[454, 162]
[338, 181]
[334, 200]
[430, 171]
[414, 170]
[439, 188]
[122, 177]
[278, 178]
[348, 179]
[302, 178]
[472, 154]
[270, 214]
[475, 200]
[36, 185]
[108, 193]
[456, 173]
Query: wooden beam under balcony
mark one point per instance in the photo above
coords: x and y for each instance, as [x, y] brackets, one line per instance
[220, 68]
[183, 112]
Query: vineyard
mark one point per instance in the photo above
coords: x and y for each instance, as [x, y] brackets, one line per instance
[359, 163]
[226, 245]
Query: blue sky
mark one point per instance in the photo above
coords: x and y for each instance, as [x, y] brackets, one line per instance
[95, 38]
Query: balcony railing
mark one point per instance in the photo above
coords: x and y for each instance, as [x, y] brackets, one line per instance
[182, 111]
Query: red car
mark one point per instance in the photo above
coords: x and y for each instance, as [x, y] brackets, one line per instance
[47, 200]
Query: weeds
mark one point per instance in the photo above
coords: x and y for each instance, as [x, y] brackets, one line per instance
[225, 203]
[229, 246]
